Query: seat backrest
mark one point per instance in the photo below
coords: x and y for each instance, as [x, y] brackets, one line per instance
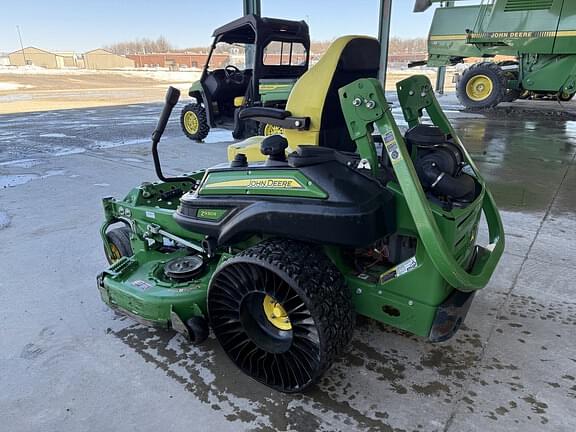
[315, 94]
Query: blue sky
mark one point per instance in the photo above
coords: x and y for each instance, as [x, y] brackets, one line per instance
[77, 25]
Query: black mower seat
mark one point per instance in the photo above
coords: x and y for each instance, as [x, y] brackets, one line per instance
[307, 155]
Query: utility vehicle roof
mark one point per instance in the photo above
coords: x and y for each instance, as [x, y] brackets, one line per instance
[244, 30]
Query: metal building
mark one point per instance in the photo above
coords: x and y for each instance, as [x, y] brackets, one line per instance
[37, 57]
[102, 59]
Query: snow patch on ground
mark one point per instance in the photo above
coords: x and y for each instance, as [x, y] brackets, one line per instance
[111, 144]
[8, 86]
[12, 180]
[22, 163]
[16, 179]
[63, 151]
[219, 135]
[56, 135]
[4, 220]
[183, 77]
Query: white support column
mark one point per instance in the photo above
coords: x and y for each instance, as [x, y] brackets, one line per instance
[384, 37]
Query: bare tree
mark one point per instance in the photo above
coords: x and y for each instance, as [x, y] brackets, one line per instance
[317, 48]
[141, 46]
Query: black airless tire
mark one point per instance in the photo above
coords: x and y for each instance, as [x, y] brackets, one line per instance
[483, 85]
[119, 239]
[194, 122]
[281, 312]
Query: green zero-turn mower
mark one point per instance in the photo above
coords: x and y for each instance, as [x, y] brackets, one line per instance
[277, 257]
[265, 57]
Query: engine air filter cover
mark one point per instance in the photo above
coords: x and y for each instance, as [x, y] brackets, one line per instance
[184, 268]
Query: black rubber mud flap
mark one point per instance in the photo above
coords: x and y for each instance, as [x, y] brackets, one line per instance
[450, 315]
[178, 325]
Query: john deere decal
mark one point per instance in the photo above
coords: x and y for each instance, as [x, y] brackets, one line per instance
[267, 183]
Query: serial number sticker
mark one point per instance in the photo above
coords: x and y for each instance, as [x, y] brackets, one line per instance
[141, 285]
[151, 215]
[406, 266]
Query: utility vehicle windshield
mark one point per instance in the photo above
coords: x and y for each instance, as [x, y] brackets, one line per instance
[278, 53]
[240, 55]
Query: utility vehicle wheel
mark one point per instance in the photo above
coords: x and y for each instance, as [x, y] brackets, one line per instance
[194, 123]
[565, 97]
[267, 129]
[119, 239]
[281, 312]
[483, 85]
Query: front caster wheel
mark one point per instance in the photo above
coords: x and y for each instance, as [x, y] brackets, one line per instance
[120, 246]
[281, 312]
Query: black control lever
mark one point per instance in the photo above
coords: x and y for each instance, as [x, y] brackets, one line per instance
[172, 96]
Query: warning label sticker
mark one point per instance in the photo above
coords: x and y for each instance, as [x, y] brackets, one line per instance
[392, 147]
[402, 268]
[141, 285]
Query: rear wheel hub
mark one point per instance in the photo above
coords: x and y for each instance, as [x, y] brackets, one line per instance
[479, 88]
[191, 122]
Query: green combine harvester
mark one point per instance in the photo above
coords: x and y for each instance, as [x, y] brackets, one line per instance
[278, 256]
[265, 58]
[539, 34]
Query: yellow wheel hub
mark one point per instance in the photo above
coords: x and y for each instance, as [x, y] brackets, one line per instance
[276, 314]
[270, 129]
[479, 88]
[115, 253]
[191, 122]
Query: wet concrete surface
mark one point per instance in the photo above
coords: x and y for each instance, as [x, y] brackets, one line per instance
[69, 363]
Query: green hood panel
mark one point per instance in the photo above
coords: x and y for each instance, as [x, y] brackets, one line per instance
[282, 182]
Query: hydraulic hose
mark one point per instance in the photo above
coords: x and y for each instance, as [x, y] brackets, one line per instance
[461, 187]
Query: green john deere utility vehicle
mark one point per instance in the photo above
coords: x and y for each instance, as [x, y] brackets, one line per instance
[540, 36]
[278, 256]
[263, 58]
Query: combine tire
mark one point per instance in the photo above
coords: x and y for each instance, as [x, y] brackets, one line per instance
[281, 312]
[510, 74]
[193, 122]
[119, 239]
[483, 85]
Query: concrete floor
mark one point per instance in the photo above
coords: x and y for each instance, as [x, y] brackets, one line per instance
[67, 363]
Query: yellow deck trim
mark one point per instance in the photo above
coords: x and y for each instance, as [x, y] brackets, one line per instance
[448, 37]
[565, 33]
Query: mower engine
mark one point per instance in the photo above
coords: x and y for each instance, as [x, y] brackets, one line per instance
[441, 166]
